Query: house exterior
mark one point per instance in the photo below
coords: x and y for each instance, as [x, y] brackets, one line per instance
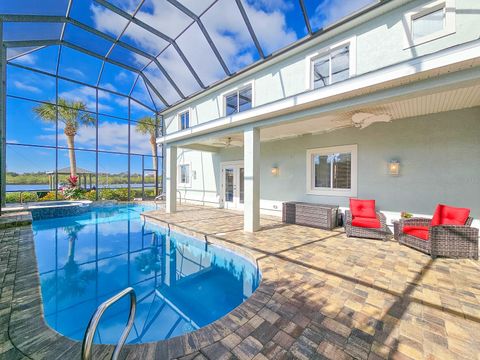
[384, 106]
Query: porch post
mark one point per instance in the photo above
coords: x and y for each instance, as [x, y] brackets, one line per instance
[171, 179]
[251, 158]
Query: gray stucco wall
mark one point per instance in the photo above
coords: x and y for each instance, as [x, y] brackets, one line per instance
[439, 156]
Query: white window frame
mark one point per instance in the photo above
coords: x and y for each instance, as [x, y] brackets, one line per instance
[350, 42]
[235, 90]
[312, 190]
[179, 119]
[179, 175]
[448, 28]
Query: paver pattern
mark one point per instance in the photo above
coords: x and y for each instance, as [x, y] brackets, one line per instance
[323, 296]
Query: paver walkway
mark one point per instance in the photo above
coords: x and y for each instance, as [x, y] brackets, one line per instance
[322, 296]
[341, 298]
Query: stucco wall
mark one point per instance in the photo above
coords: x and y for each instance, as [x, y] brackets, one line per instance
[379, 43]
[439, 156]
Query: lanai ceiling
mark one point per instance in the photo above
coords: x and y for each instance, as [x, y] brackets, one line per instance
[435, 102]
[159, 52]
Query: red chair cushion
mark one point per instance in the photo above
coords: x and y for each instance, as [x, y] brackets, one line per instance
[449, 215]
[420, 232]
[363, 208]
[366, 222]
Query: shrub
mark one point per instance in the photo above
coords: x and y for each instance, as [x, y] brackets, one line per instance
[90, 195]
[14, 197]
[114, 194]
[74, 193]
[51, 196]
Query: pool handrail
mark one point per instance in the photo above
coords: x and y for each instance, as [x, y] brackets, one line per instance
[95, 319]
[163, 196]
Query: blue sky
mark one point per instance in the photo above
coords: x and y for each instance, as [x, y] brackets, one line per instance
[277, 23]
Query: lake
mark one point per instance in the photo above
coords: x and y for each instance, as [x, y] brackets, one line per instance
[44, 187]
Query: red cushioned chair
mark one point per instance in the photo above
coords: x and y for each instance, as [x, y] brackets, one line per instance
[448, 233]
[363, 221]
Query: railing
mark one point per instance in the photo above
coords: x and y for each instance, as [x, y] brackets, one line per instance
[163, 196]
[93, 324]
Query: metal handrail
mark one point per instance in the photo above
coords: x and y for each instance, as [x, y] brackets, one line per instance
[159, 197]
[163, 195]
[95, 319]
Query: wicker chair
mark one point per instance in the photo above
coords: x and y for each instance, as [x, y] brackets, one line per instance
[362, 232]
[457, 241]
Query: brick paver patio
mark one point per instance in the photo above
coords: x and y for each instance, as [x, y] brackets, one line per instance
[322, 296]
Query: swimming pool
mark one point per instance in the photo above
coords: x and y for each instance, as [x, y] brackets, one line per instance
[181, 283]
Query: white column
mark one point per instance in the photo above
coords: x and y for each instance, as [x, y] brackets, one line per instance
[251, 158]
[171, 179]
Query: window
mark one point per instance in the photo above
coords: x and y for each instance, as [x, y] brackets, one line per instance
[332, 64]
[332, 171]
[184, 120]
[238, 101]
[331, 68]
[184, 174]
[429, 22]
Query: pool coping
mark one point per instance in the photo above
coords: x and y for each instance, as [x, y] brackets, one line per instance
[31, 335]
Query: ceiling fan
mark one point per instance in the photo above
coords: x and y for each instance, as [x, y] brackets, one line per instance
[228, 142]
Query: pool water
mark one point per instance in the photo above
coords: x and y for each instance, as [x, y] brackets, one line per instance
[181, 283]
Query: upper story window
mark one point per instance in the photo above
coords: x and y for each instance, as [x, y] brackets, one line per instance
[184, 120]
[331, 68]
[332, 171]
[331, 65]
[429, 22]
[238, 101]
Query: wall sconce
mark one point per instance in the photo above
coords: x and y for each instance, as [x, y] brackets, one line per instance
[394, 167]
[275, 171]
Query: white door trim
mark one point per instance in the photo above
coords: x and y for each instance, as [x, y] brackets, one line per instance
[236, 165]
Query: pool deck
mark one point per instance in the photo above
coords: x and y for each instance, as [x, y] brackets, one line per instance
[323, 296]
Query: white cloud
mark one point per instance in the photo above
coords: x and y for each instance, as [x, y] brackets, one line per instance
[271, 5]
[28, 59]
[329, 11]
[121, 76]
[87, 95]
[229, 33]
[75, 72]
[112, 136]
[26, 87]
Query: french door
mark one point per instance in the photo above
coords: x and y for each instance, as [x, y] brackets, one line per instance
[232, 185]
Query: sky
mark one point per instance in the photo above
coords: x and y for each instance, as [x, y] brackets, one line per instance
[277, 23]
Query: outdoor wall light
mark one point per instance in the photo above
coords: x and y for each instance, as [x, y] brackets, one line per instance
[394, 167]
[275, 171]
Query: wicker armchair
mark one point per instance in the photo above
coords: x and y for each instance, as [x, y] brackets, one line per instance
[362, 232]
[457, 241]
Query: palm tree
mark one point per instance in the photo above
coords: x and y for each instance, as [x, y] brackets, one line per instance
[148, 126]
[73, 115]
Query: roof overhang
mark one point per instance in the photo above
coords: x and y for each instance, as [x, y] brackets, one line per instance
[442, 68]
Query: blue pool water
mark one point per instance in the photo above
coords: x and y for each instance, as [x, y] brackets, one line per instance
[181, 284]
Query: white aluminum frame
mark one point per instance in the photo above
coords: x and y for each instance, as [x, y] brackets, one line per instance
[312, 190]
[236, 90]
[236, 204]
[352, 61]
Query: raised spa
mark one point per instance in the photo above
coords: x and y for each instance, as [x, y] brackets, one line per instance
[181, 283]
